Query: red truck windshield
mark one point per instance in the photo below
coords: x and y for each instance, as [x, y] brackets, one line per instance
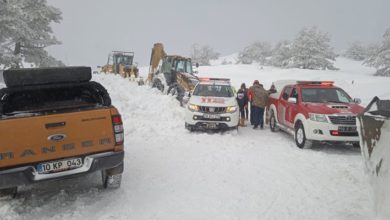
[324, 95]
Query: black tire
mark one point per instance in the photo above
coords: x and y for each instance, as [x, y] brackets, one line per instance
[157, 84]
[272, 122]
[188, 127]
[300, 137]
[111, 182]
[10, 192]
[356, 145]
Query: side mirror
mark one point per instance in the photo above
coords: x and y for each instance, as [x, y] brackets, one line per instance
[357, 100]
[292, 100]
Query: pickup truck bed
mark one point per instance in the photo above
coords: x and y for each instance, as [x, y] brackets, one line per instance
[50, 131]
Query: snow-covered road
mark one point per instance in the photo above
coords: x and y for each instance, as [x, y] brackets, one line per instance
[171, 173]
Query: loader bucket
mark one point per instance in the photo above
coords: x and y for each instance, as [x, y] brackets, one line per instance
[374, 133]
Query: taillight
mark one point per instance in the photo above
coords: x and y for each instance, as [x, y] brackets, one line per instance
[118, 129]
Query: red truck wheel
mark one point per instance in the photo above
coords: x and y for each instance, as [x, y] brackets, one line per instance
[272, 122]
[300, 137]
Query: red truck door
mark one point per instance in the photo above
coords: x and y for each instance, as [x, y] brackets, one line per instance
[282, 105]
[292, 108]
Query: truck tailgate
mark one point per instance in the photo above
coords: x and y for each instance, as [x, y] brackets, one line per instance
[51, 137]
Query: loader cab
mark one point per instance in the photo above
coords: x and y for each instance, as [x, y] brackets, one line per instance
[118, 58]
[174, 65]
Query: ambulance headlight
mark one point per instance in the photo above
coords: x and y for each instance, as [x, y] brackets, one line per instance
[231, 109]
[193, 108]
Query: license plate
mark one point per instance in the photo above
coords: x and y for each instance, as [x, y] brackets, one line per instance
[209, 116]
[211, 125]
[347, 129]
[58, 166]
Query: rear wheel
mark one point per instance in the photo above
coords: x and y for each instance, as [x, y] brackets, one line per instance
[111, 181]
[9, 192]
[272, 122]
[300, 137]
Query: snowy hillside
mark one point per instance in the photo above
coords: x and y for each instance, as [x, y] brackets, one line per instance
[171, 173]
[353, 77]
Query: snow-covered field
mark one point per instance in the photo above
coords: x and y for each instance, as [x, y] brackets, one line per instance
[171, 173]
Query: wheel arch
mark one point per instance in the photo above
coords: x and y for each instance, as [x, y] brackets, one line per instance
[272, 107]
[302, 119]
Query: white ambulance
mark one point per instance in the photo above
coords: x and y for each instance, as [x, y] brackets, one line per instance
[212, 106]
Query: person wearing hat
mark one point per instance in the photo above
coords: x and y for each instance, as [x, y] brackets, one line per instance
[259, 102]
[242, 100]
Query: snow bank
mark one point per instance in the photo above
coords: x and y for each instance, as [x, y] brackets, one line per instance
[376, 152]
[225, 60]
[171, 173]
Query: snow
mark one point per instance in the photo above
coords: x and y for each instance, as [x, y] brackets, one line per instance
[171, 173]
[353, 77]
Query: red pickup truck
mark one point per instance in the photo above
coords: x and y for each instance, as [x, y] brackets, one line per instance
[314, 111]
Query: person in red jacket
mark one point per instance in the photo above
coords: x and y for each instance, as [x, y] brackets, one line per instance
[250, 98]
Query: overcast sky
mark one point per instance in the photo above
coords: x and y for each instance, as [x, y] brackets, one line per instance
[90, 29]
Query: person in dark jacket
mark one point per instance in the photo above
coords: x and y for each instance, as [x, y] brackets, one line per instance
[243, 86]
[242, 100]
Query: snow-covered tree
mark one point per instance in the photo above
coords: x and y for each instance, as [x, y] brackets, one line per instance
[26, 32]
[311, 50]
[203, 55]
[281, 54]
[356, 51]
[256, 52]
[380, 59]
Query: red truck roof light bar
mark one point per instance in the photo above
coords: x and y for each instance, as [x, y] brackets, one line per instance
[323, 83]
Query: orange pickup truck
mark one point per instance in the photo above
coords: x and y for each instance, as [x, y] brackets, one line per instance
[55, 123]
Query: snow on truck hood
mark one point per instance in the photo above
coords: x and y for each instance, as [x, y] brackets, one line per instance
[213, 101]
[334, 108]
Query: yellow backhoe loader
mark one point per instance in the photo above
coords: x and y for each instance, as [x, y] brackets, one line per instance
[171, 74]
[120, 62]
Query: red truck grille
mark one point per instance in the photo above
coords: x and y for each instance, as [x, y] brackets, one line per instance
[343, 120]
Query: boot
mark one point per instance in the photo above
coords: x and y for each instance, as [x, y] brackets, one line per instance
[242, 122]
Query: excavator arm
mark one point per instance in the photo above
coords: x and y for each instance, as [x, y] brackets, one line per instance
[157, 55]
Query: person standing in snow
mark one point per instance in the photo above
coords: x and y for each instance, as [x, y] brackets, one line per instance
[247, 101]
[250, 96]
[242, 100]
[259, 102]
